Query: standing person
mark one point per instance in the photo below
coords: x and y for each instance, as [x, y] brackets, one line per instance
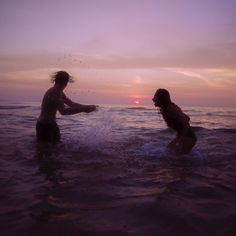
[176, 119]
[55, 100]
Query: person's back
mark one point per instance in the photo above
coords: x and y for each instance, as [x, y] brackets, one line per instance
[49, 105]
[175, 118]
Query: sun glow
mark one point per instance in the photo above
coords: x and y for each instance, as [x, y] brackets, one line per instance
[136, 102]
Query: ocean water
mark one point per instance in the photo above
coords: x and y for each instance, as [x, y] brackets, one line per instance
[112, 175]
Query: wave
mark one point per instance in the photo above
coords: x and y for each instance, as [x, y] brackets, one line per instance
[140, 108]
[13, 107]
[231, 114]
[198, 128]
[227, 131]
[223, 130]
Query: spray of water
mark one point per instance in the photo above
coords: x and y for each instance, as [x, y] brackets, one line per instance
[154, 149]
[97, 133]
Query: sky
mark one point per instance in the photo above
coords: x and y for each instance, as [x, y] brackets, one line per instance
[120, 51]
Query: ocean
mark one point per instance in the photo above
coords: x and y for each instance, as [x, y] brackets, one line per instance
[112, 175]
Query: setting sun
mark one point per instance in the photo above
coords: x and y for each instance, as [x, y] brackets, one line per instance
[136, 102]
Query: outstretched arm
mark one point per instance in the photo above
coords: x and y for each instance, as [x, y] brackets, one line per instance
[74, 107]
[69, 102]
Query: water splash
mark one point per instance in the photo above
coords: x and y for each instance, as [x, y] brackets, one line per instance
[149, 149]
[96, 134]
[154, 149]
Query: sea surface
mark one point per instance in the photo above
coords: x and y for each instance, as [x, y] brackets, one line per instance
[112, 174]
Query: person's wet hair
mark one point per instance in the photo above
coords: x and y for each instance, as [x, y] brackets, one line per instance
[62, 77]
[162, 97]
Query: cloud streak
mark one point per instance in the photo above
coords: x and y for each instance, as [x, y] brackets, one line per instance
[197, 58]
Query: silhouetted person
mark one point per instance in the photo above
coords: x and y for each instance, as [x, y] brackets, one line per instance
[177, 120]
[55, 100]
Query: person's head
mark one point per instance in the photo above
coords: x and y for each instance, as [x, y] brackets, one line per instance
[161, 98]
[61, 78]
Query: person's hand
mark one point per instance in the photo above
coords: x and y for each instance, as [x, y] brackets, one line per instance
[91, 108]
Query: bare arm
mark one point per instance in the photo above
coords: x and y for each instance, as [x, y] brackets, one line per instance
[69, 102]
[73, 108]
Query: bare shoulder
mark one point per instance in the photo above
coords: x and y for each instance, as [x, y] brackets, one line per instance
[52, 94]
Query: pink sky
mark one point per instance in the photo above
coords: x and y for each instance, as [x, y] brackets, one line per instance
[120, 51]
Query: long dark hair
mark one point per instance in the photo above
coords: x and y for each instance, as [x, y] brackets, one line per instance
[162, 98]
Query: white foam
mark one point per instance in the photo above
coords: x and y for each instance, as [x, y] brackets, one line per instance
[150, 149]
[153, 148]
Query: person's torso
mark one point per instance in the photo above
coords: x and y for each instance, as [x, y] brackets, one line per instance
[50, 105]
